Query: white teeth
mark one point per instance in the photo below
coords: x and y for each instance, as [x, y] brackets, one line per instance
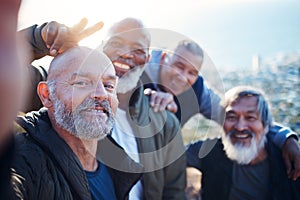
[241, 136]
[97, 111]
[120, 65]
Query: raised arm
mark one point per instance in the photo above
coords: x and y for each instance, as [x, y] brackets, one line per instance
[53, 37]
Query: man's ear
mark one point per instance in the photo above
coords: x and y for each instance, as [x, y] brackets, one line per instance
[149, 57]
[163, 57]
[43, 92]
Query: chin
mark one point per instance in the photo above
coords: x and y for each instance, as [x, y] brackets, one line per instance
[242, 153]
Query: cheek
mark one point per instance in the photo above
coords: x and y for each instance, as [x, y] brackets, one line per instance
[258, 129]
[227, 126]
[72, 98]
[114, 103]
[109, 52]
[192, 80]
[140, 59]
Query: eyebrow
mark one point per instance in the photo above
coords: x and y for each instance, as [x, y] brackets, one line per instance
[234, 112]
[135, 43]
[87, 74]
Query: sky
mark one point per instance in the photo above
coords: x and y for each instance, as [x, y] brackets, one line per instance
[229, 31]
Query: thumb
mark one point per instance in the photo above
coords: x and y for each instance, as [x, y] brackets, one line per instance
[172, 107]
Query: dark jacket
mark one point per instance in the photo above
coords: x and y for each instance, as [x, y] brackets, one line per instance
[160, 147]
[35, 49]
[216, 170]
[50, 170]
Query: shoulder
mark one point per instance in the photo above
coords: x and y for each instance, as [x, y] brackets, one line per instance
[29, 158]
[171, 124]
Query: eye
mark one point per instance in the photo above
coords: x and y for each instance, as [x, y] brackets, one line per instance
[139, 51]
[193, 73]
[109, 86]
[81, 83]
[115, 43]
[251, 118]
[231, 117]
[178, 66]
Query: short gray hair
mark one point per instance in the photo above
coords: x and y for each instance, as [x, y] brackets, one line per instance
[191, 46]
[263, 108]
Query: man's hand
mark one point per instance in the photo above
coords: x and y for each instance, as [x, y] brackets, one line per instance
[161, 101]
[291, 156]
[58, 37]
[193, 185]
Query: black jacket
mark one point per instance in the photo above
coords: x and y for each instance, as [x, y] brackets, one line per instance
[160, 147]
[216, 170]
[49, 169]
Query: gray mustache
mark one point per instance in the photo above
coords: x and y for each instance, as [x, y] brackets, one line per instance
[91, 103]
[243, 132]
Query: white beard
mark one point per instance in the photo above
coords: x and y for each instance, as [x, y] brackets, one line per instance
[240, 153]
[76, 124]
[129, 80]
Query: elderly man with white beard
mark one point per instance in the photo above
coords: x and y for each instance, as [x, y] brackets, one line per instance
[56, 156]
[244, 164]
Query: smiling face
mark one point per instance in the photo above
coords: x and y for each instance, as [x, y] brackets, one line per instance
[128, 49]
[244, 133]
[181, 72]
[242, 119]
[82, 86]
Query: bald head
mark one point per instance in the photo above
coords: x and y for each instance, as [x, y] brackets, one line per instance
[77, 59]
[127, 46]
[128, 24]
[81, 83]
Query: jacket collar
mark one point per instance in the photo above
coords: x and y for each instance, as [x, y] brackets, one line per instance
[38, 126]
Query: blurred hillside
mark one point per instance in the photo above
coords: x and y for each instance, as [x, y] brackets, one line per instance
[279, 77]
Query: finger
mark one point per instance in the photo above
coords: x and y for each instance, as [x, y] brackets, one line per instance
[80, 26]
[296, 173]
[163, 104]
[152, 99]
[287, 165]
[155, 102]
[172, 107]
[50, 32]
[147, 91]
[59, 40]
[91, 30]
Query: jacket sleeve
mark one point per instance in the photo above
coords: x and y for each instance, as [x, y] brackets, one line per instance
[192, 155]
[28, 170]
[279, 134]
[30, 38]
[175, 173]
[208, 101]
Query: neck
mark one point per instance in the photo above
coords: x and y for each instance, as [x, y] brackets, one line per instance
[85, 150]
[124, 100]
[261, 156]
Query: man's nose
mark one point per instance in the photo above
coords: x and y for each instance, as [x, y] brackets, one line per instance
[241, 124]
[182, 74]
[99, 92]
[125, 53]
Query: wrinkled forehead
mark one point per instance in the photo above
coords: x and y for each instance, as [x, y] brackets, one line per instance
[138, 35]
[248, 102]
[94, 62]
